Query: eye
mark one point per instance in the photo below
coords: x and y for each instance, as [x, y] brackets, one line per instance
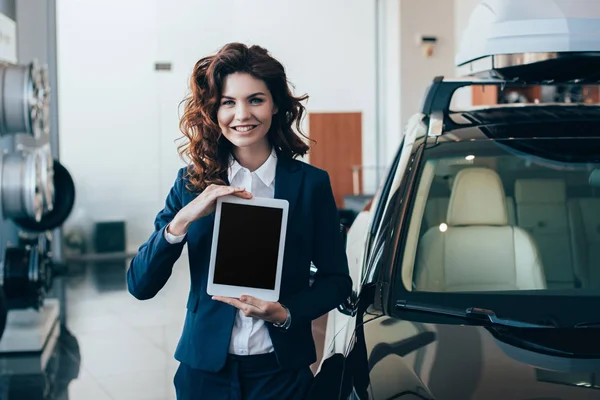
[256, 100]
[227, 103]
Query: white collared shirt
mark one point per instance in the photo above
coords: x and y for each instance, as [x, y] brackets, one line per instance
[250, 335]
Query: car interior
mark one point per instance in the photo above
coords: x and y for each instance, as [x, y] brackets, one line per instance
[504, 223]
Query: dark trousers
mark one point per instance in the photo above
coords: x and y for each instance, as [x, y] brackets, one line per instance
[256, 377]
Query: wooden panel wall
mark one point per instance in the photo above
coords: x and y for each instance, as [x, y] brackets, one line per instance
[489, 95]
[484, 95]
[591, 94]
[337, 149]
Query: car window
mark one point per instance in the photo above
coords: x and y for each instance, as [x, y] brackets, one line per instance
[383, 195]
[373, 248]
[415, 128]
[378, 236]
[515, 214]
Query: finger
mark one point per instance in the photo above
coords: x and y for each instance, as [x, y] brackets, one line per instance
[235, 191]
[244, 194]
[228, 300]
[247, 309]
[231, 190]
[224, 299]
[253, 301]
[224, 191]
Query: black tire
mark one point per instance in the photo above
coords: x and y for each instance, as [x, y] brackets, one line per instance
[64, 199]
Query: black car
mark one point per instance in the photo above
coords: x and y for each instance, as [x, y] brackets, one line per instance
[481, 272]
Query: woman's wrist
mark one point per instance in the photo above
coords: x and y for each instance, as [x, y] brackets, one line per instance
[179, 226]
[282, 316]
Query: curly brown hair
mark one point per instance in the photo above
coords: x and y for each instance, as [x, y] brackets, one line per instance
[204, 144]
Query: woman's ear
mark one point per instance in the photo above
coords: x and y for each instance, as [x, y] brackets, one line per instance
[275, 109]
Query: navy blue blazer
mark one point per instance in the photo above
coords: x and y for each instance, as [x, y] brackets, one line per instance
[313, 234]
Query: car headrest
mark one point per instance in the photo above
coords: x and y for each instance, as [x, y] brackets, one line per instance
[540, 191]
[594, 178]
[477, 199]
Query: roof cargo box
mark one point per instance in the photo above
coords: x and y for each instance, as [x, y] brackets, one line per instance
[533, 41]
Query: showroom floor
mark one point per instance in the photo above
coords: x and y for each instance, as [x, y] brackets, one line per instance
[126, 345]
[116, 347]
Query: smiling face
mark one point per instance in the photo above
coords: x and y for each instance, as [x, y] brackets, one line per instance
[246, 111]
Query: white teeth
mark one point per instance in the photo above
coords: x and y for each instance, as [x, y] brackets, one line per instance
[244, 128]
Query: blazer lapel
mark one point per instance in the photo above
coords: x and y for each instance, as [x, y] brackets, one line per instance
[288, 180]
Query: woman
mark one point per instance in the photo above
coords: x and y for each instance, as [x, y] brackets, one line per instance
[238, 124]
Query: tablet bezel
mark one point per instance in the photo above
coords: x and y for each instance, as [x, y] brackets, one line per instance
[215, 289]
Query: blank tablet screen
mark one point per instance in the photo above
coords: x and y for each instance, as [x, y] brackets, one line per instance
[248, 246]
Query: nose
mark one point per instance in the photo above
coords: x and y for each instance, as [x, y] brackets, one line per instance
[242, 112]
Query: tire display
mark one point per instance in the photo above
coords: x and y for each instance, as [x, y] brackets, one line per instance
[64, 199]
[21, 186]
[47, 177]
[37, 192]
[25, 100]
[24, 277]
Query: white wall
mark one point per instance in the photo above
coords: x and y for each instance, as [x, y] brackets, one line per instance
[447, 21]
[109, 110]
[462, 12]
[404, 72]
[119, 117]
[424, 18]
[389, 105]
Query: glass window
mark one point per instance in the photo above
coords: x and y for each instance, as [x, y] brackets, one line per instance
[510, 214]
[383, 224]
[374, 240]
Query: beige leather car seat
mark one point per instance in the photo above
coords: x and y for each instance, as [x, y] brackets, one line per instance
[542, 211]
[436, 211]
[584, 221]
[479, 250]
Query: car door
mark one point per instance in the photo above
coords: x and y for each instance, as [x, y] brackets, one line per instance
[377, 341]
[341, 322]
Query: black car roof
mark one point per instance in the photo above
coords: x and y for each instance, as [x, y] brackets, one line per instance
[523, 121]
[504, 121]
[517, 114]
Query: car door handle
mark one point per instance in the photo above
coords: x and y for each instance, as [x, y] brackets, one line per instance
[349, 306]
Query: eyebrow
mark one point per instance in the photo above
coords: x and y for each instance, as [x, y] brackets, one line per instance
[252, 95]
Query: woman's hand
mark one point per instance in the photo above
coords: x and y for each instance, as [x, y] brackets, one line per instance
[257, 308]
[202, 206]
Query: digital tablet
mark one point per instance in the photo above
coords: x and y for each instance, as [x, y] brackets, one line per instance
[247, 247]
